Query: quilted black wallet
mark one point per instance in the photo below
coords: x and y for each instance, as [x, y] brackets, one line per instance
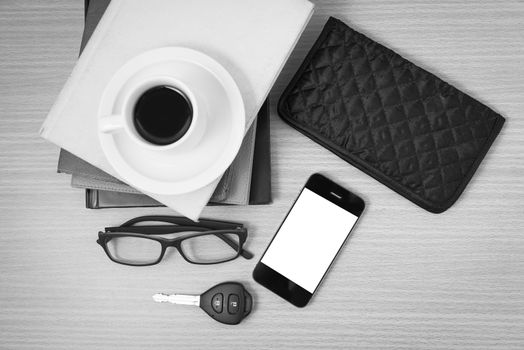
[393, 120]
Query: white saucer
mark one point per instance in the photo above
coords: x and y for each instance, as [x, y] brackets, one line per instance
[176, 171]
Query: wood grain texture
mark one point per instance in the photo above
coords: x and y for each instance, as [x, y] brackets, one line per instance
[407, 279]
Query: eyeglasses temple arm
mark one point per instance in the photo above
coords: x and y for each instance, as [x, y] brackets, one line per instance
[245, 253]
[178, 220]
[155, 229]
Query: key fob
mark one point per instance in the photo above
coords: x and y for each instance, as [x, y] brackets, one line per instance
[227, 302]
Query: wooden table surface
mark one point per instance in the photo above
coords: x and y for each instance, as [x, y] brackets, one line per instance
[407, 279]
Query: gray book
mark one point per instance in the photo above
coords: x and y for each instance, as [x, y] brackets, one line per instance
[233, 188]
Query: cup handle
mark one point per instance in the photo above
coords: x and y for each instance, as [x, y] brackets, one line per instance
[111, 123]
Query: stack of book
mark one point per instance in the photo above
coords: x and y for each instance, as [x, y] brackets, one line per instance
[247, 181]
[251, 39]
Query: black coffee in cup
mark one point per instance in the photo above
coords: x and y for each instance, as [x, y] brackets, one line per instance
[162, 115]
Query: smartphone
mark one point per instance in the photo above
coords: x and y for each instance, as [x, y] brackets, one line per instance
[308, 240]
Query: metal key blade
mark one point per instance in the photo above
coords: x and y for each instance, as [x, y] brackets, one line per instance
[181, 299]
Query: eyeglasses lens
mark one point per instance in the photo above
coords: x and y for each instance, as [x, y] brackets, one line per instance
[134, 250]
[211, 248]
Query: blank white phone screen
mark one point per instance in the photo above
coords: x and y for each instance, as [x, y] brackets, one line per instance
[309, 239]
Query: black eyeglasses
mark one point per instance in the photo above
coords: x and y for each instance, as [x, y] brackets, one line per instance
[204, 242]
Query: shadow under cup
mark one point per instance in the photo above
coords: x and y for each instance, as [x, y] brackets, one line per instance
[162, 115]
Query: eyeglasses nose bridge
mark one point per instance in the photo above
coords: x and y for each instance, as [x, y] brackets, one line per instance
[170, 244]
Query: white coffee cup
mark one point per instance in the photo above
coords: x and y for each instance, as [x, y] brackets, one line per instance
[124, 119]
[189, 161]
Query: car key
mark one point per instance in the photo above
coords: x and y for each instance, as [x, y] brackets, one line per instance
[227, 302]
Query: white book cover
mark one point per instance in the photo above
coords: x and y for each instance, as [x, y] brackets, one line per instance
[252, 39]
